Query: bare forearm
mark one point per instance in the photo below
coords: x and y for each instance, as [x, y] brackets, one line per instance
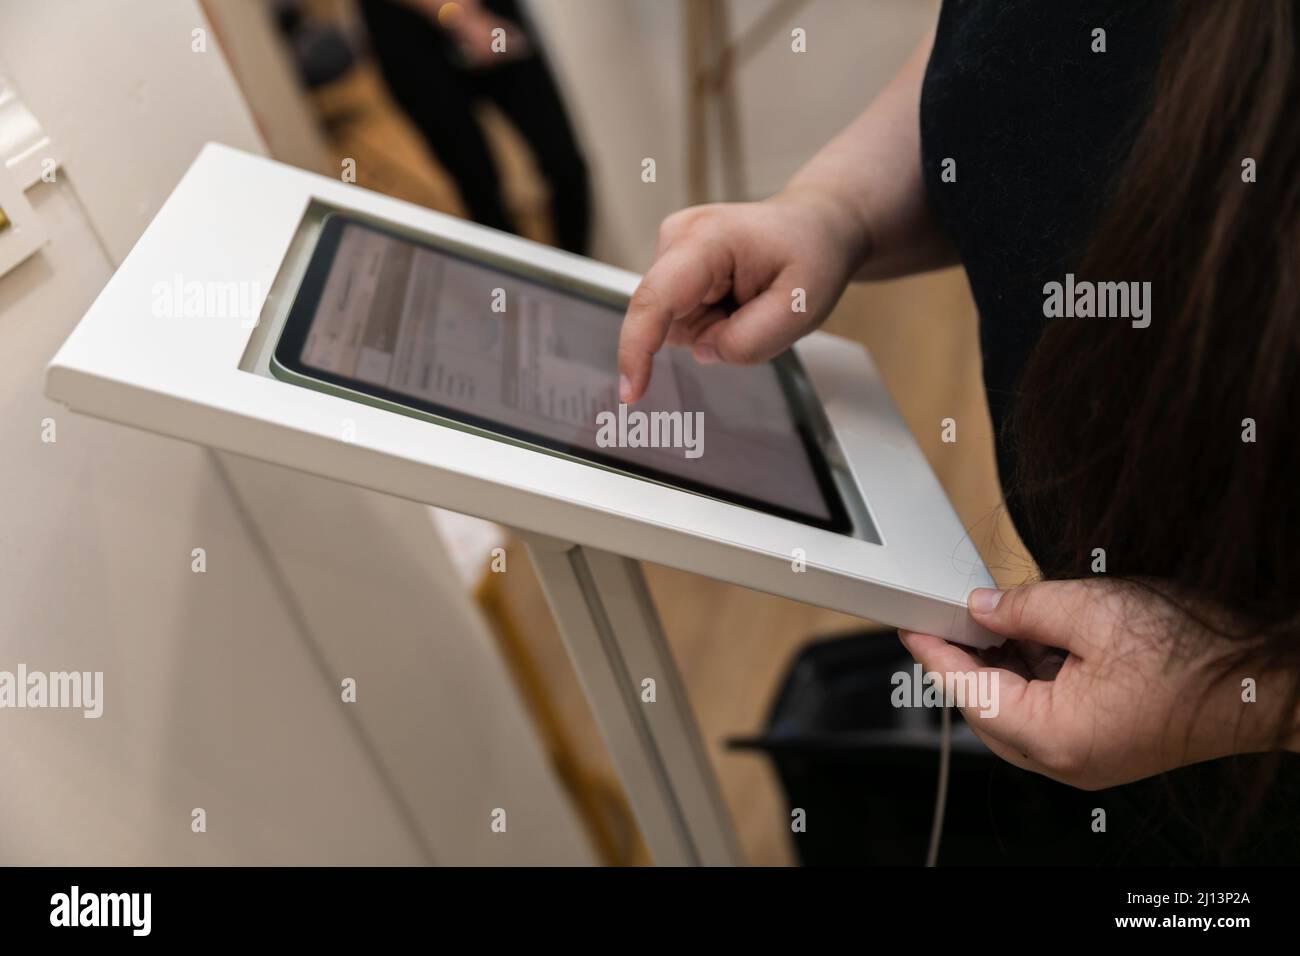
[871, 174]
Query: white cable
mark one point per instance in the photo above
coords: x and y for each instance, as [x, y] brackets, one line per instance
[941, 797]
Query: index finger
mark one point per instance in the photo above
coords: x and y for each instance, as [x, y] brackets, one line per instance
[678, 282]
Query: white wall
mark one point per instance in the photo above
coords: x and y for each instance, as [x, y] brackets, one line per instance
[268, 79]
[221, 688]
[211, 698]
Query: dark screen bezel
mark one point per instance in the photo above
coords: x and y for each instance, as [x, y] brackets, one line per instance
[288, 353]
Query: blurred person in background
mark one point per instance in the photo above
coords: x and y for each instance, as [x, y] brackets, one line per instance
[439, 59]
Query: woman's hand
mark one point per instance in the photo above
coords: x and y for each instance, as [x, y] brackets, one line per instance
[471, 27]
[857, 208]
[1093, 692]
[780, 265]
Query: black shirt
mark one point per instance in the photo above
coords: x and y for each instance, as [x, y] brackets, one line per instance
[1037, 124]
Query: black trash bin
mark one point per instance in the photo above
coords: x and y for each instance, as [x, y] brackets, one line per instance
[865, 775]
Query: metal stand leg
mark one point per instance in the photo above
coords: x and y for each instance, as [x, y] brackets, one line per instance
[608, 621]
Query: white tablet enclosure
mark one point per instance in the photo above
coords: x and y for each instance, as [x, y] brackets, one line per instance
[147, 354]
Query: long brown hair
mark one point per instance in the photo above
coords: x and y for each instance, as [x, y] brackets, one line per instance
[1136, 440]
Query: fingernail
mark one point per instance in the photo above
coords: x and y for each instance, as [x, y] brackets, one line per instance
[706, 354]
[624, 388]
[984, 600]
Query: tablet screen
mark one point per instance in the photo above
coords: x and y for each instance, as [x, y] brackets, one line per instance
[510, 354]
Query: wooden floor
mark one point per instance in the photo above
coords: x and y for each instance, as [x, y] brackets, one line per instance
[732, 645]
